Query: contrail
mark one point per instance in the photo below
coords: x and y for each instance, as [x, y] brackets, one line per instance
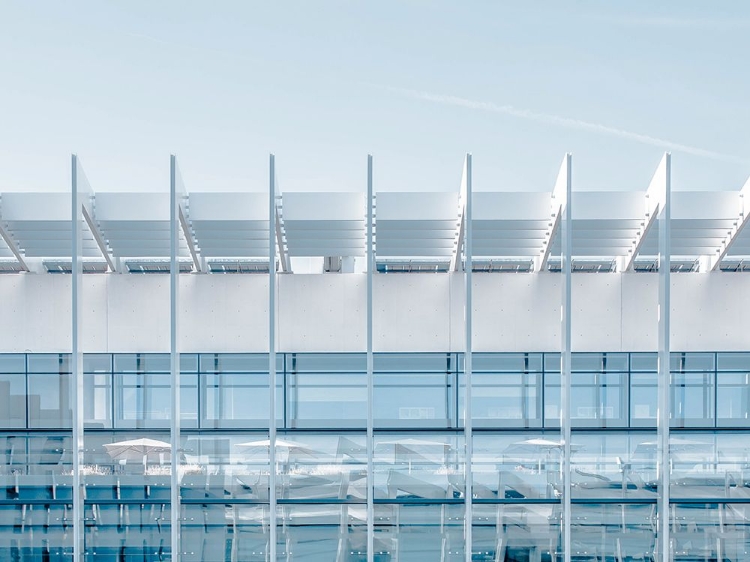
[566, 122]
[709, 24]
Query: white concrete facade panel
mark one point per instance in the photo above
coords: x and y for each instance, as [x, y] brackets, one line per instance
[412, 313]
[639, 311]
[137, 313]
[226, 313]
[321, 313]
[423, 312]
[516, 312]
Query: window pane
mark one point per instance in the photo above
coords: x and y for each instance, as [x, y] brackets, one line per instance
[501, 362]
[325, 400]
[552, 362]
[412, 399]
[327, 362]
[517, 466]
[614, 465]
[552, 399]
[238, 399]
[141, 362]
[643, 399]
[733, 397]
[12, 363]
[237, 362]
[599, 399]
[49, 400]
[49, 454]
[320, 532]
[614, 532]
[97, 363]
[50, 521]
[516, 532]
[143, 399]
[733, 362]
[429, 466]
[600, 361]
[692, 362]
[12, 400]
[97, 400]
[401, 362]
[503, 399]
[643, 362]
[418, 533]
[49, 363]
[692, 399]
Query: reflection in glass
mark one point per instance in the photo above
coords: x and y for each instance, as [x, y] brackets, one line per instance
[517, 466]
[733, 399]
[97, 400]
[417, 532]
[142, 400]
[599, 399]
[130, 531]
[692, 399]
[613, 531]
[236, 400]
[506, 390]
[327, 399]
[234, 390]
[326, 390]
[643, 399]
[39, 531]
[711, 531]
[419, 466]
[419, 491]
[12, 400]
[614, 465]
[323, 467]
[414, 390]
[515, 532]
[322, 532]
[49, 400]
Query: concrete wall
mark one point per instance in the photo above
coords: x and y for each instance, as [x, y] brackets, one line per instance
[412, 312]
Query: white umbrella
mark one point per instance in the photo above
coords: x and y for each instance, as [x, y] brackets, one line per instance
[289, 446]
[137, 449]
[531, 446]
[410, 450]
[351, 449]
[680, 450]
[535, 449]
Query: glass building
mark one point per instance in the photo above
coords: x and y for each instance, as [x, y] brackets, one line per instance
[375, 376]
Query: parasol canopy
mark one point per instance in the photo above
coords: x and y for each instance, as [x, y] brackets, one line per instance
[138, 450]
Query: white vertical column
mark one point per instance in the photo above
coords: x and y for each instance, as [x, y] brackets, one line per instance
[468, 421]
[77, 356]
[370, 367]
[566, 234]
[174, 355]
[272, 356]
[662, 413]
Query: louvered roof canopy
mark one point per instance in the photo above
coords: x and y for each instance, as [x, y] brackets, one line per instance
[616, 228]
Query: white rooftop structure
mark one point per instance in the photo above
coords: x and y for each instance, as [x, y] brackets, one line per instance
[419, 231]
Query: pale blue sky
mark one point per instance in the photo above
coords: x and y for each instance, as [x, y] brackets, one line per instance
[416, 83]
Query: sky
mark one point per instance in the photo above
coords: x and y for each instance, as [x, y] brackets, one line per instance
[415, 83]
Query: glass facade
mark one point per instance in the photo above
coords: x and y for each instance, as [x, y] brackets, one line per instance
[419, 457]
[395, 456]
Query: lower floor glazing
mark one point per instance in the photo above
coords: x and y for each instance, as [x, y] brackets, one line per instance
[319, 488]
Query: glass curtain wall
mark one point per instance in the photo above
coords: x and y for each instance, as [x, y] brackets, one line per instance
[418, 461]
[226, 392]
[322, 466]
[36, 503]
[418, 453]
